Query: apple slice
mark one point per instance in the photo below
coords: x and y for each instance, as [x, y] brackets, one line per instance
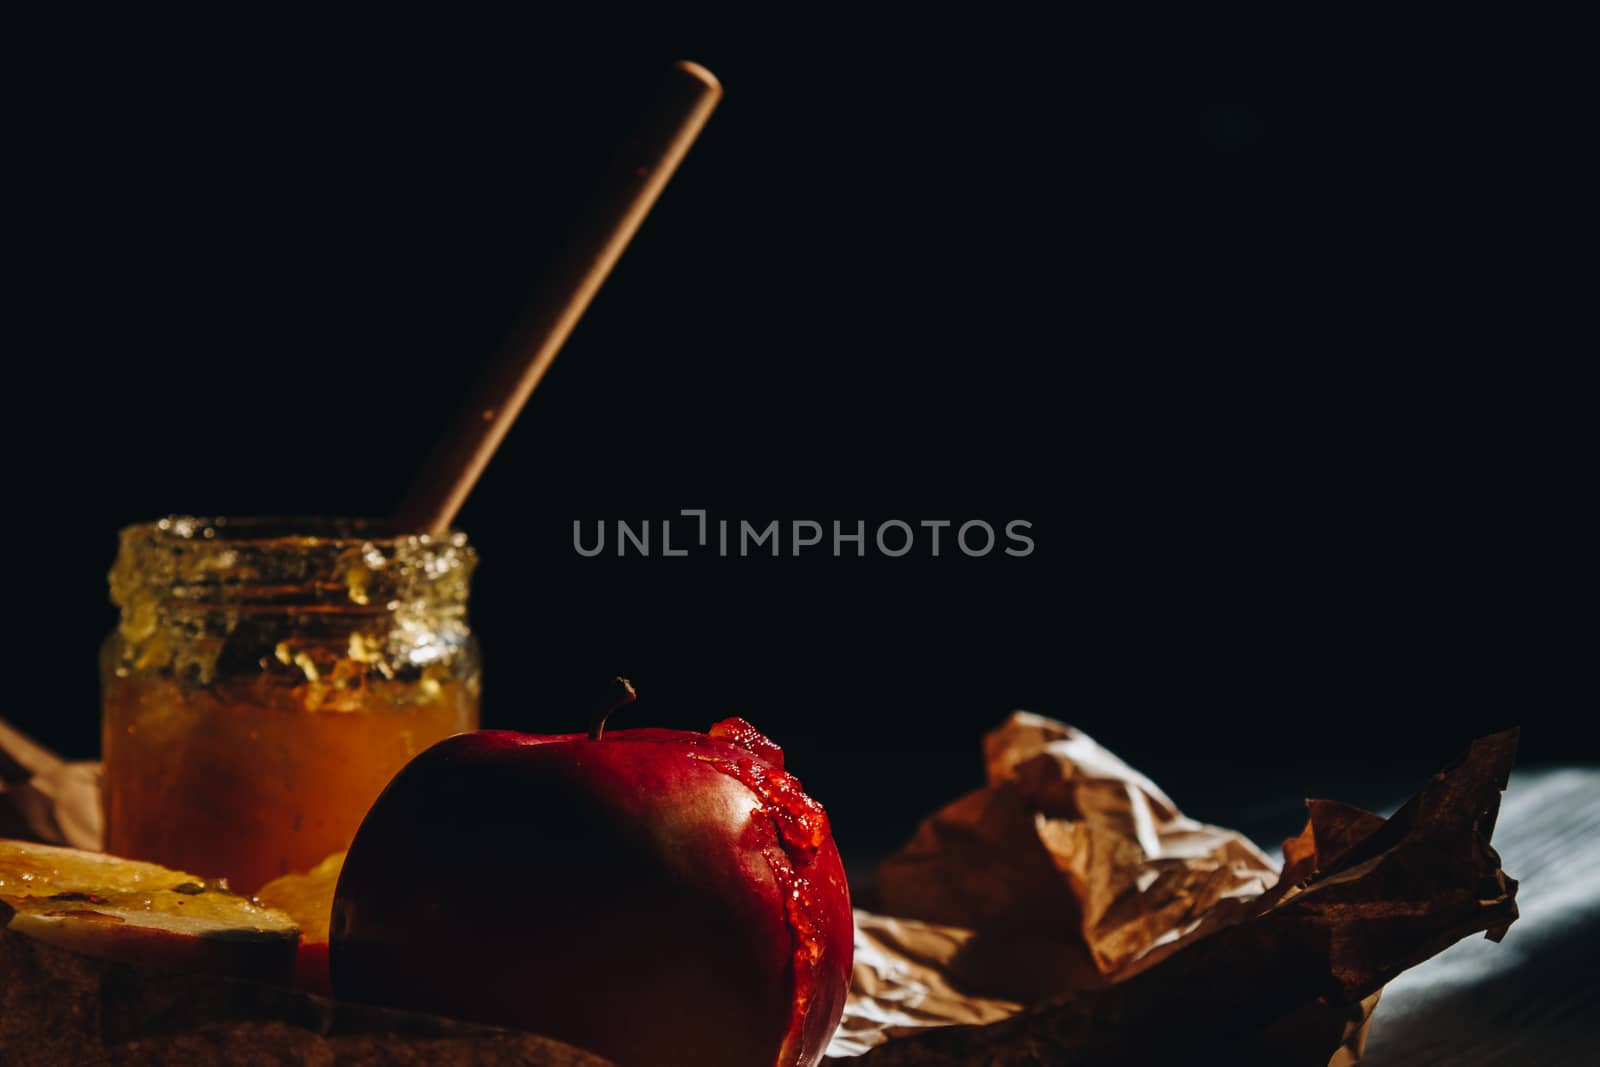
[141, 913]
[308, 900]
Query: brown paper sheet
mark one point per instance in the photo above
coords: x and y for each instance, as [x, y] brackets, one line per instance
[1065, 870]
[1069, 843]
[45, 798]
[1191, 948]
[1041, 918]
[900, 984]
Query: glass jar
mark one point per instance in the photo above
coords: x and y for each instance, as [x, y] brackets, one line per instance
[267, 679]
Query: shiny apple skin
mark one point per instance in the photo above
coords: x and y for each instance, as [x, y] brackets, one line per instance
[620, 895]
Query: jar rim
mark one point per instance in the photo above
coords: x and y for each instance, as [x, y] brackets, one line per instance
[288, 531]
[195, 594]
[287, 563]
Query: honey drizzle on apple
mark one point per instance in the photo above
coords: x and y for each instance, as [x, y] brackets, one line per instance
[798, 827]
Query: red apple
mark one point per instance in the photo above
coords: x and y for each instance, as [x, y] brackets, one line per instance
[656, 896]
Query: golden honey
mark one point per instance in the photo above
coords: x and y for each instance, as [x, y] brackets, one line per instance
[268, 678]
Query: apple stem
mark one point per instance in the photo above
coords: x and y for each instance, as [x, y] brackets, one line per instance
[624, 697]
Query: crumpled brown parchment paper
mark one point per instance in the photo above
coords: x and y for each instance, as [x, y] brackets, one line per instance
[1069, 913]
[45, 798]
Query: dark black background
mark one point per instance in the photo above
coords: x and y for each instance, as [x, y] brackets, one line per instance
[1239, 316]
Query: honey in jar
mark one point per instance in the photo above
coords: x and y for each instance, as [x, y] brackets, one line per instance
[266, 680]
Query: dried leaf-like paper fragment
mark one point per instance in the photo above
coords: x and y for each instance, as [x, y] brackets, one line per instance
[1284, 985]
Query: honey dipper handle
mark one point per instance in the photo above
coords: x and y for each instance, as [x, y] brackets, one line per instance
[654, 153]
